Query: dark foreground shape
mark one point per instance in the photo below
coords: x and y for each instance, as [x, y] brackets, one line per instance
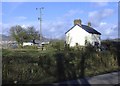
[117, 84]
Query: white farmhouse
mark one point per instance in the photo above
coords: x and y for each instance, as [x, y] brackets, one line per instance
[82, 35]
[28, 44]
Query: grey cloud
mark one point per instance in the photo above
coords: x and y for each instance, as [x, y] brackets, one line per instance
[58, 27]
[20, 18]
[101, 4]
[96, 17]
[108, 30]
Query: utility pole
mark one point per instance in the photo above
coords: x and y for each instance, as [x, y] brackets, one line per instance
[40, 18]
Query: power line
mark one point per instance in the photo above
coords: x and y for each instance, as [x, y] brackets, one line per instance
[40, 18]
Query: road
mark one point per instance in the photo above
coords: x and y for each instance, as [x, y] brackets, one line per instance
[110, 78]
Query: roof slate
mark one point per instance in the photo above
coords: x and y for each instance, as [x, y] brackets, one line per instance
[87, 28]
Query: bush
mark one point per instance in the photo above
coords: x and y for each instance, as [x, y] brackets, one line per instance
[56, 63]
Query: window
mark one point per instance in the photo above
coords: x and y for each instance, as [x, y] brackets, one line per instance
[76, 44]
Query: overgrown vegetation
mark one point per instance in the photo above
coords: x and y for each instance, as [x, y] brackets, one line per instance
[57, 63]
[21, 34]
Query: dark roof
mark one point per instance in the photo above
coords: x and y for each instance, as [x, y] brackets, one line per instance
[86, 28]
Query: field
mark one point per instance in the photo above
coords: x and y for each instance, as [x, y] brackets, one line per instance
[57, 63]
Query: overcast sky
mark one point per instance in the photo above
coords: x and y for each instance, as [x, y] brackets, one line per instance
[58, 17]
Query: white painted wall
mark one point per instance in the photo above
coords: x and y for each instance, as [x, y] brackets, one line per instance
[79, 35]
[95, 38]
[27, 44]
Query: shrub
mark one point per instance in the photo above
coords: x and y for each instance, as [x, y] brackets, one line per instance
[56, 63]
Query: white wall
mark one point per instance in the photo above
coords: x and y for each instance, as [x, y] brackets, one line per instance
[76, 35]
[27, 44]
[95, 38]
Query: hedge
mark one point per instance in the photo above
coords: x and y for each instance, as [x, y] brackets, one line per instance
[55, 65]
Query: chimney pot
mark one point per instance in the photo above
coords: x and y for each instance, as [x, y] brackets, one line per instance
[77, 22]
[89, 24]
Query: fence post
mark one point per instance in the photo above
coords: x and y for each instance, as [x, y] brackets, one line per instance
[60, 66]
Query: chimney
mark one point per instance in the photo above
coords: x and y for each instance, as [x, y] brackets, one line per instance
[89, 24]
[77, 22]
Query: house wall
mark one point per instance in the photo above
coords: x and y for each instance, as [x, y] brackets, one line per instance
[79, 35]
[95, 38]
[76, 35]
[27, 44]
